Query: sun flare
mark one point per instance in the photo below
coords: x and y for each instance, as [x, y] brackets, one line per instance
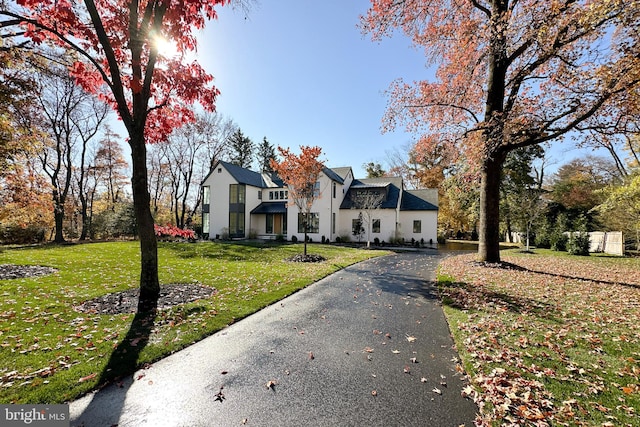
[166, 48]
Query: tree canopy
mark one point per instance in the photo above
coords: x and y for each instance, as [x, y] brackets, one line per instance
[509, 74]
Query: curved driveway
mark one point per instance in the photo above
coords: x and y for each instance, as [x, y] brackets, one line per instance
[366, 346]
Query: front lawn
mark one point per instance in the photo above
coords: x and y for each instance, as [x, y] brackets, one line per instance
[548, 339]
[52, 353]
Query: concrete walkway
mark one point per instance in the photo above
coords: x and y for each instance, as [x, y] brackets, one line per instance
[366, 346]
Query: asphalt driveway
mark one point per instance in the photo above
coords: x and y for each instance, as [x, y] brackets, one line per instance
[366, 346]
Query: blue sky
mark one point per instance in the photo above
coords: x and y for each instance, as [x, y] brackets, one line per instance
[301, 73]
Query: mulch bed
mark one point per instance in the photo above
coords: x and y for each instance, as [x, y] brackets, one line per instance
[12, 271]
[117, 302]
[307, 258]
[127, 301]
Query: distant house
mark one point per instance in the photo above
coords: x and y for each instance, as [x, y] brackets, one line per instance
[238, 203]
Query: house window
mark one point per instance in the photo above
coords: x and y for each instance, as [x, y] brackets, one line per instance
[316, 189]
[206, 194]
[270, 195]
[333, 223]
[219, 170]
[313, 223]
[237, 193]
[356, 227]
[417, 226]
[334, 190]
[205, 223]
[281, 195]
[269, 227]
[259, 194]
[375, 226]
[286, 195]
[237, 197]
[236, 224]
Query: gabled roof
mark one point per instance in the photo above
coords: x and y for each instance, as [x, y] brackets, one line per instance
[343, 172]
[272, 180]
[243, 175]
[419, 200]
[332, 175]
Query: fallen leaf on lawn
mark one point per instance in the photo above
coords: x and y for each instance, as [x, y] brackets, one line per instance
[413, 360]
[311, 356]
[407, 370]
[87, 378]
[437, 391]
[423, 380]
[367, 350]
[410, 338]
[374, 393]
[395, 351]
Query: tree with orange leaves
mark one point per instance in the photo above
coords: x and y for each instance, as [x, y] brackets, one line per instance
[510, 74]
[300, 173]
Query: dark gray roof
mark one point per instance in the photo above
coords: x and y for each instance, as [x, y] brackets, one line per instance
[343, 171]
[243, 175]
[270, 208]
[332, 175]
[419, 200]
[390, 185]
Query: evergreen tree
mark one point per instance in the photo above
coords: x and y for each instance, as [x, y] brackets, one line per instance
[266, 153]
[374, 170]
[241, 149]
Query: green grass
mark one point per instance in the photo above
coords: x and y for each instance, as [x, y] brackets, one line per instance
[51, 353]
[555, 340]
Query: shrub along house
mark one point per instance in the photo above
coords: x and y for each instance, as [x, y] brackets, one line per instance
[240, 203]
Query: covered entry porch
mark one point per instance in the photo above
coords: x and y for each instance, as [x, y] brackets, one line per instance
[269, 220]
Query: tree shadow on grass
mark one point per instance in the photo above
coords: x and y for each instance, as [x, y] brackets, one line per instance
[123, 362]
[590, 279]
[510, 266]
[464, 296]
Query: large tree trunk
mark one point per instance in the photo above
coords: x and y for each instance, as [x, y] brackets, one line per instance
[85, 216]
[149, 283]
[58, 216]
[491, 174]
[489, 234]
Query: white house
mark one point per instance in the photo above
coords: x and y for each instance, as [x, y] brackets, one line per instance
[238, 203]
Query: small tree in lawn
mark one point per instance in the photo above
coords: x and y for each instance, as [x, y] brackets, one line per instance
[368, 201]
[300, 174]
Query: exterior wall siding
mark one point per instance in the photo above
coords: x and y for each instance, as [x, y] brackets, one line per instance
[218, 182]
[429, 225]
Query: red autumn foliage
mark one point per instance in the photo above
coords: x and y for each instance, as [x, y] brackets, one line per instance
[173, 231]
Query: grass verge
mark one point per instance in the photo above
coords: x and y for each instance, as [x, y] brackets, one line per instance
[547, 339]
[50, 353]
